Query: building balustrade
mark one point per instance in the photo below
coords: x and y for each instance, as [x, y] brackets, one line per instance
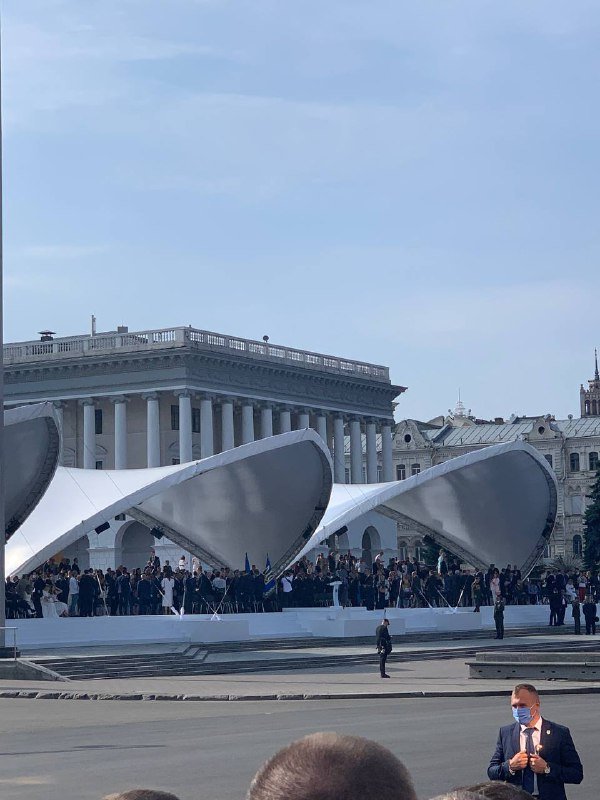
[165, 338]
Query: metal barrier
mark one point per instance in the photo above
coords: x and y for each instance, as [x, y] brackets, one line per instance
[14, 630]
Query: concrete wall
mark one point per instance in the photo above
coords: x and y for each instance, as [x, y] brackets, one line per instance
[325, 622]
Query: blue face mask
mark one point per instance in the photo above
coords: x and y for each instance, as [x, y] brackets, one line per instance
[522, 715]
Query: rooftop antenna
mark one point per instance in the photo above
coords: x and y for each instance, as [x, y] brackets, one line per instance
[596, 376]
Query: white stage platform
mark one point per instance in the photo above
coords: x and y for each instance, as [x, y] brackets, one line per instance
[317, 622]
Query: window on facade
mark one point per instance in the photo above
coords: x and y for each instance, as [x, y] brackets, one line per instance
[400, 472]
[415, 469]
[402, 551]
[594, 461]
[98, 420]
[175, 461]
[174, 418]
[99, 465]
[195, 420]
[419, 550]
[549, 551]
[364, 474]
[574, 462]
[577, 545]
[346, 475]
[379, 473]
[548, 458]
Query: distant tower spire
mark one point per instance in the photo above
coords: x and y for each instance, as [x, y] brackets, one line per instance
[590, 398]
[459, 408]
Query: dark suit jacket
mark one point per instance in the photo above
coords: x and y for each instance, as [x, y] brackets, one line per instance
[557, 749]
[384, 640]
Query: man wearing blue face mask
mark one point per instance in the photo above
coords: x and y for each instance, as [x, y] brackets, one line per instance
[534, 753]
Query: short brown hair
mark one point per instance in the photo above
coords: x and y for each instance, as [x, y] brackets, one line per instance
[498, 790]
[142, 794]
[328, 766]
[526, 687]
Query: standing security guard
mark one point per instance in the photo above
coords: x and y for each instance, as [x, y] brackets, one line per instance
[384, 645]
[499, 616]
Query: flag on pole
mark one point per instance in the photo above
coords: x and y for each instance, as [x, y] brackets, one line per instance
[247, 564]
[270, 585]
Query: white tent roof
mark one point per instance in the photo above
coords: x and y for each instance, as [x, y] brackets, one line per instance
[492, 506]
[31, 447]
[263, 497]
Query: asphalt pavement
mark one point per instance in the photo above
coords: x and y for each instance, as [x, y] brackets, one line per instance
[81, 750]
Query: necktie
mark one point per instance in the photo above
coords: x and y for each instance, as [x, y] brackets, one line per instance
[528, 773]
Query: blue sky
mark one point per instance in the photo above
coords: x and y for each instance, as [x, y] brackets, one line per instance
[408, 183]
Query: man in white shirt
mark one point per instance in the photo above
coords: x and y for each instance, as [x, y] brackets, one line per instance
[73, 594]
[534, 753]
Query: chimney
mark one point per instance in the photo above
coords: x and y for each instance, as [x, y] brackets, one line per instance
[93, 325]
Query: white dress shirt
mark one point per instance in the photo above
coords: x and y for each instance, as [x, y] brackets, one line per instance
[537, 735]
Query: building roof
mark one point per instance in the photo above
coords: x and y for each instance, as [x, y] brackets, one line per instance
[490, 433]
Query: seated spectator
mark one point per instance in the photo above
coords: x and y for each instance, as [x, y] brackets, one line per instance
[328, 766]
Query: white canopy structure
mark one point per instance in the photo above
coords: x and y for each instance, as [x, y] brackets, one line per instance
[492, 506]
[496, 505]
[31, 449]
[264, 497]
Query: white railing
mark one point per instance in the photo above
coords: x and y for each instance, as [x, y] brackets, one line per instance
[80, 346]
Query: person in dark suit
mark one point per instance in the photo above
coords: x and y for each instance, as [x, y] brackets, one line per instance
[87, 592]
[499, 616]
[589, 612]
[534, 753]
[384, 645]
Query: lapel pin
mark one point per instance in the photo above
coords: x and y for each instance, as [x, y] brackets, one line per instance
[547, 733]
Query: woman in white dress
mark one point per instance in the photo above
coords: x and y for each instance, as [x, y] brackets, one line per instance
[52, 608]
[167, 585]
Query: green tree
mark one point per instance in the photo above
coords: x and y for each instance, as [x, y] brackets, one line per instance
[591, 530]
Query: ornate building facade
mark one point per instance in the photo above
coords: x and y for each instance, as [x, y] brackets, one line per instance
[571, 447]
[167, 396]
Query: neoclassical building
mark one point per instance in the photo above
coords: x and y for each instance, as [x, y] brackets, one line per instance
[571, 447]
[172, 395]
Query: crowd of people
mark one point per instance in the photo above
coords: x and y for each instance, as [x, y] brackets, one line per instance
[533, 757]
[62, 588]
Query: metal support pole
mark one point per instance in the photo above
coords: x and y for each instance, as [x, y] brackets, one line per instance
[2, 462]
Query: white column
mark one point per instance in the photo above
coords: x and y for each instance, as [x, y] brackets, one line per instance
[355, 452]
[120, 432]
[185, 426]
[303, 419]
[386, 453]
[339, 460]
[371, 432]
[322, 427]
[285, 420]
[266, 422]
[227, 435]
[247, 423]
[60, 418]
[89, 434]
[207, 442]
[152, 429]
